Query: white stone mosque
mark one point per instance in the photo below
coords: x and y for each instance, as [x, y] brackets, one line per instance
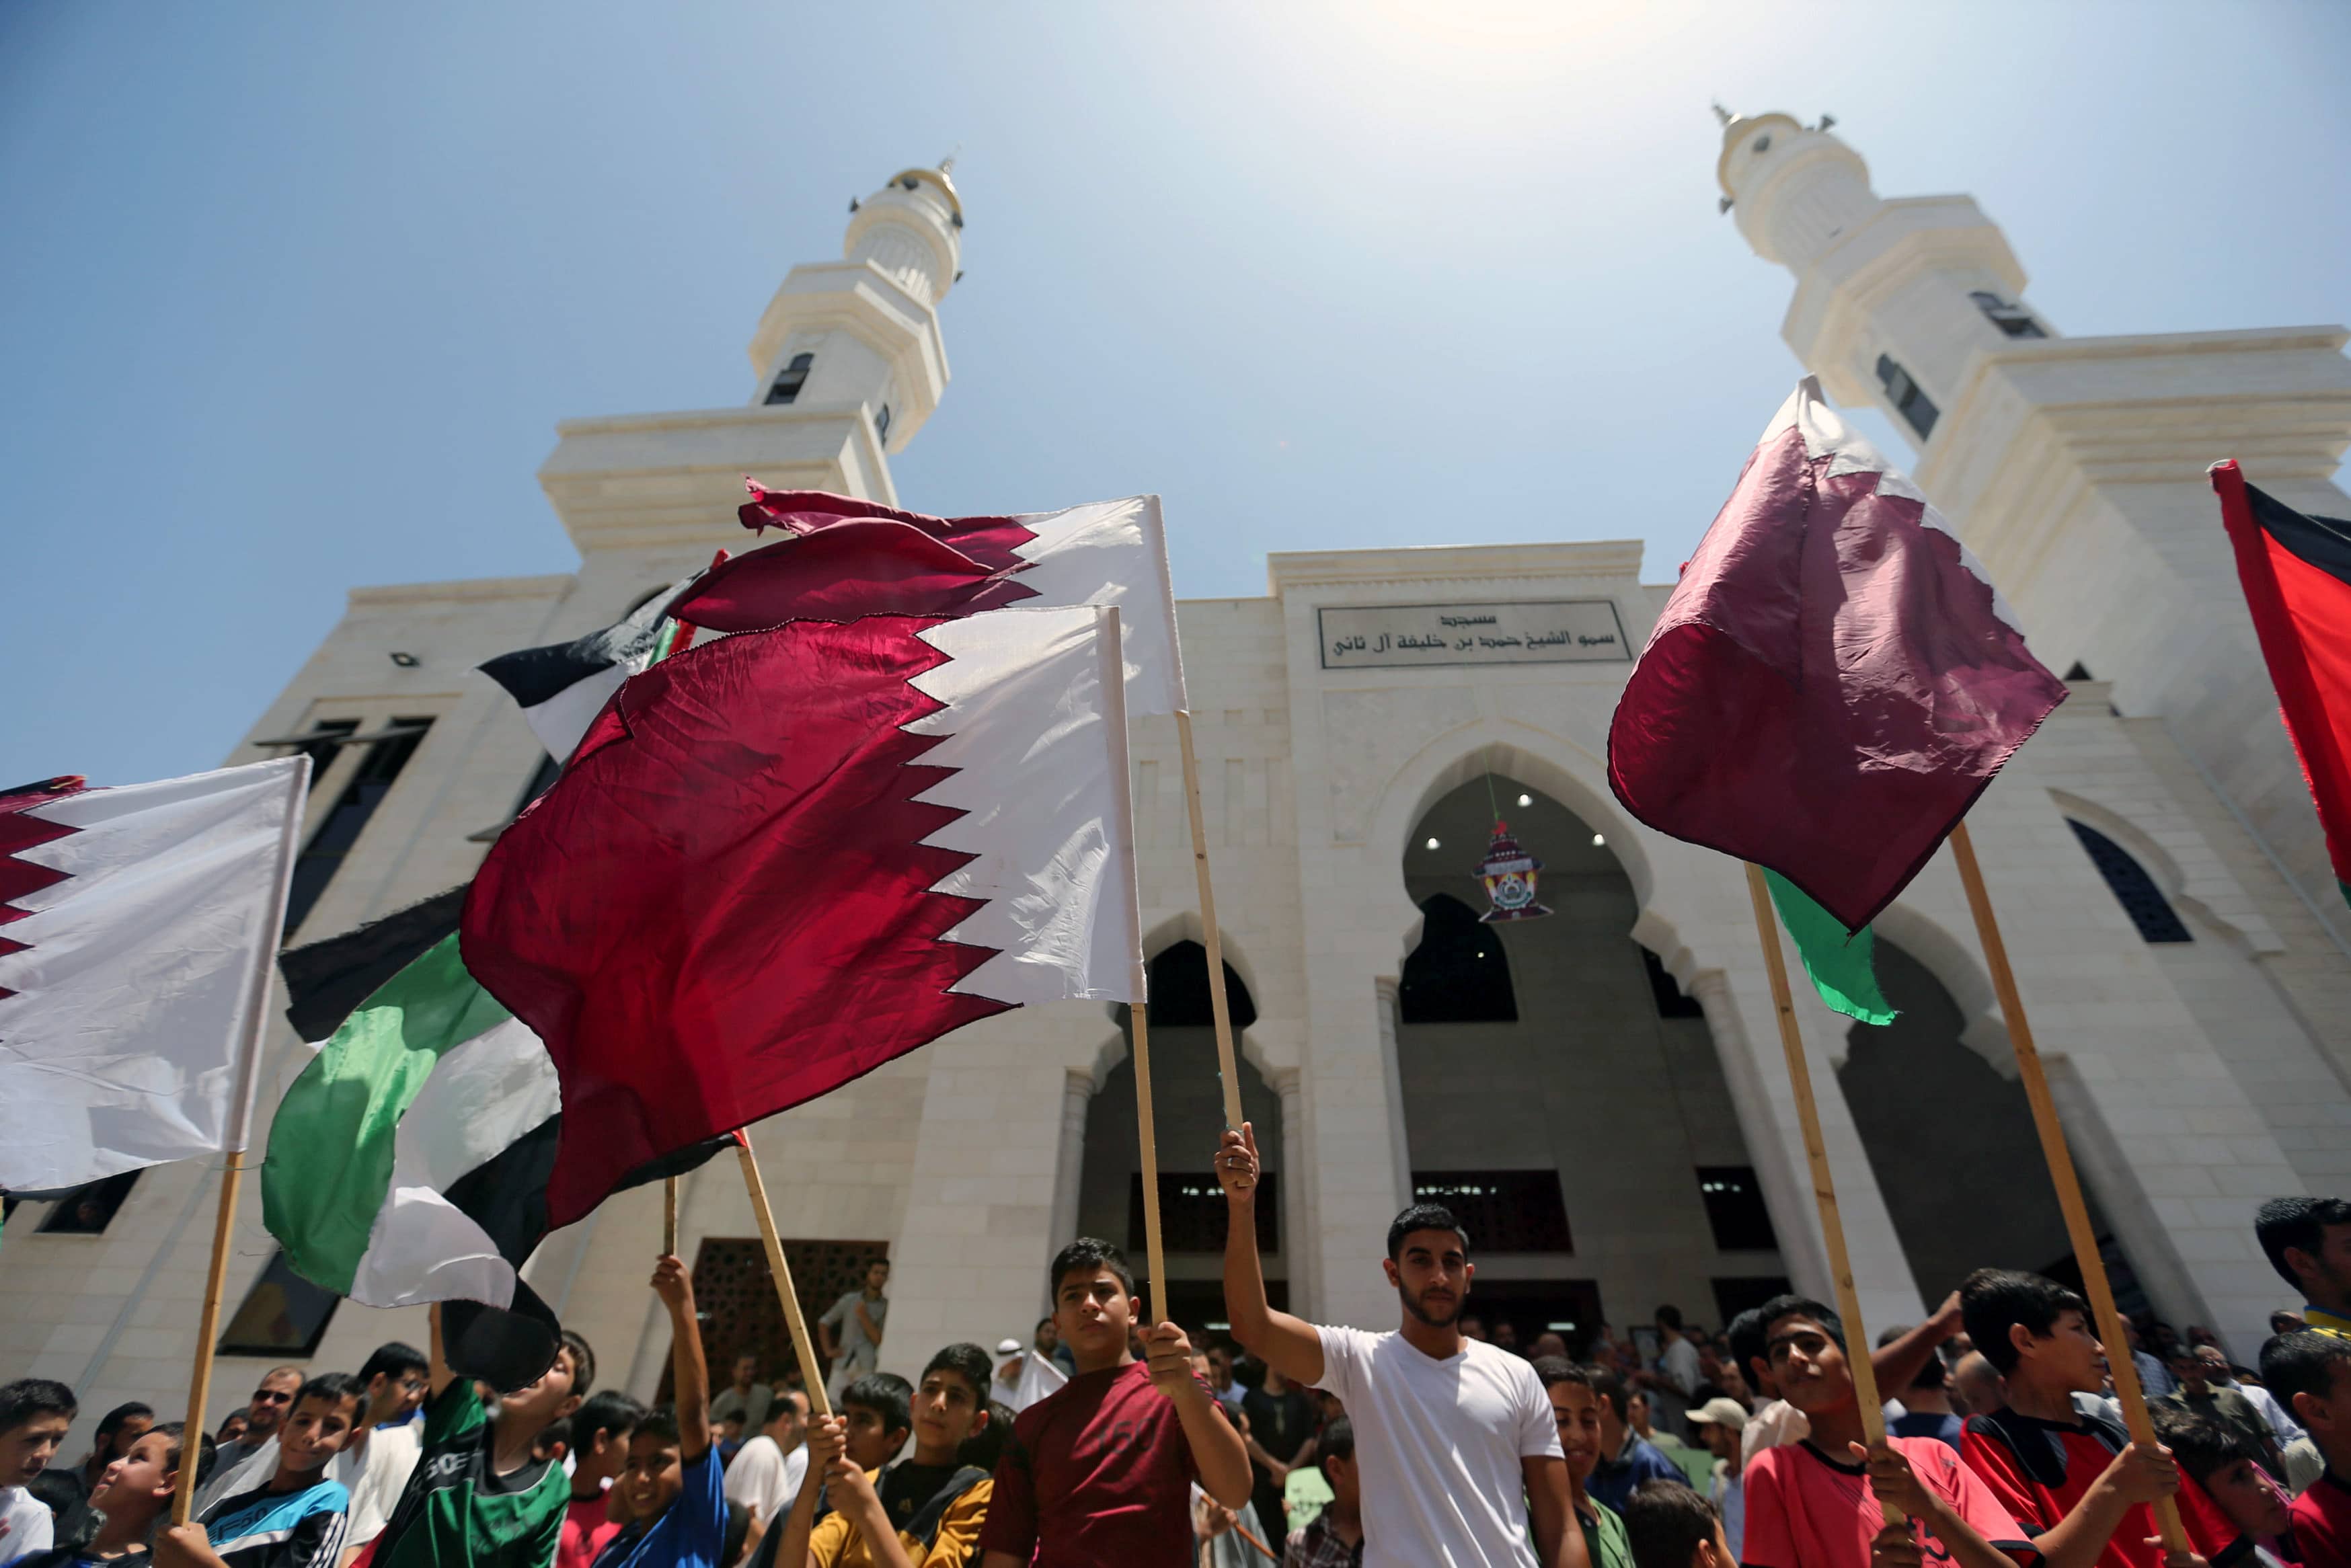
[1600, 1092]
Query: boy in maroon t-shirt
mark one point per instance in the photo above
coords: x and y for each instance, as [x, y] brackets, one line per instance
[1101, 1471]
[2076, 1481]
[2311, 1373]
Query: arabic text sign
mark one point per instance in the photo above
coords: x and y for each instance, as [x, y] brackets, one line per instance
[1380, 636]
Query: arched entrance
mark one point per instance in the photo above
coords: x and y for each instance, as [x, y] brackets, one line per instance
[1187, 1101]
[1943, 1127]
[1561, 1094]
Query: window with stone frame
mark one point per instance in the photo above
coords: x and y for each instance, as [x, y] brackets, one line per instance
[1910, 400]
[2132, 887]
[2014, 321]
[786, 387]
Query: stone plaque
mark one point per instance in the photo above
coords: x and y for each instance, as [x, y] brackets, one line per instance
[1555, 632]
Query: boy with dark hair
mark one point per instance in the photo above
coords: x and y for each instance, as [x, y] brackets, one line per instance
[1626, 1458]
[34, 1414]
[673, 1490]
[598, 1446]
[2310, 1371]
[2075, 1481]
[1457, 1441]
[133, 1493]
[295, 1518]
[2308, 1242]
[1100, 1470]
[117, 1430]
[481, 1497]
[2217, 1458]
[921, 1511]
[1577, 1411]
[1816, 1503]
[1334, 1537]
[1667, 1525]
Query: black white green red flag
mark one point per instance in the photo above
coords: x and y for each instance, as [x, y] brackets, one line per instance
[2296, 572]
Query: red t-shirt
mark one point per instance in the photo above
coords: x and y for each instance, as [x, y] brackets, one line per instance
[1097, 1473]
[1805, 1509]
[585, 1531]
[2040, 1469]
[2321, 1524]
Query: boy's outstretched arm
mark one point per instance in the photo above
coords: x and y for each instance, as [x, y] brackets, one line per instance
[1287, 1344]
[675, 1289]
[437, 1373]
[1218, 1451]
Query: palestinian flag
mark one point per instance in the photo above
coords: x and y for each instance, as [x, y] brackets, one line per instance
[409, 1161]
[1834, 679]
[2296, 572]
[561, 686]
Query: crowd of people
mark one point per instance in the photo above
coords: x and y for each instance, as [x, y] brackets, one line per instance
[1108, 1439]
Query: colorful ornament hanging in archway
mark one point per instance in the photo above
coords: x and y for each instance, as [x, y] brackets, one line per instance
[1510, 872]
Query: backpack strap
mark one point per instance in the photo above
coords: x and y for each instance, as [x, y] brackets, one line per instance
[924, 1526]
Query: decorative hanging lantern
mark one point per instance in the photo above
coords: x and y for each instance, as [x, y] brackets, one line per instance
[1509, 876]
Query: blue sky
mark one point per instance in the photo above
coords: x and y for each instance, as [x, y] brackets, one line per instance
[291, 296]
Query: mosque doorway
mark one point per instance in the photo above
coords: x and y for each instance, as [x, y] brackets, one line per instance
[1952, 1143]
[1187, 1101]
[1559, 1092]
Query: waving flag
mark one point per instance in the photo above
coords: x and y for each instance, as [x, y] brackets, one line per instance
[785, 857]
[2296, 572]
[559, 688]
[135, 928]
[408, 1162]
[1834, 679]
[1104, 552]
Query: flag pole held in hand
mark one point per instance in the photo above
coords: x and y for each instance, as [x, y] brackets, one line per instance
[2060, 1158]
[785, 1295]
[1808, 1115]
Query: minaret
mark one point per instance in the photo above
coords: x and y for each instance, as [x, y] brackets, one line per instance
[2073, 466]
[864, 332]
[1893, 298]
[849, 363]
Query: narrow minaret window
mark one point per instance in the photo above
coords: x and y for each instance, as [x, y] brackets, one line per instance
[2014, 320]
[1908, 399]
[790, 379]
[882, 422]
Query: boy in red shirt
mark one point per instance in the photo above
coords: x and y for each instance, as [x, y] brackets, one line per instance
[1816, 1503]
[1101, 1471]
[2311, 1373]
[2077, 1482]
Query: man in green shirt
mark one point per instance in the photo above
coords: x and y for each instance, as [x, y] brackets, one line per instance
[477, 1499]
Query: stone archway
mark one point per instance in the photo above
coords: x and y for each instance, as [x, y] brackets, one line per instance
[1187, 1103]
[1597, 1089]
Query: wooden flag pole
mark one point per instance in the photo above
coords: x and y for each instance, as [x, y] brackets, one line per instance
[2060, 1158]
[782, 1271]
[669, 1216]
[1219, 1010]
[1808, 1115]
[237, 1136]
[1154, 1257]
[183, 1496]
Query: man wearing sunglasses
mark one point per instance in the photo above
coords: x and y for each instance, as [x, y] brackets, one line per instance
[271, 1400]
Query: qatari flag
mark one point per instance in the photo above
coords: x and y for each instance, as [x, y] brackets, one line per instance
[1103, 552]
[785, 857]
[2296, 572]
[1834, 679]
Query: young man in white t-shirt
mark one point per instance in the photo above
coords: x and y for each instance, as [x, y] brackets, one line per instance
[1455, 1440]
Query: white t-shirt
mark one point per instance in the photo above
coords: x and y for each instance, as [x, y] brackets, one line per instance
[1437, 1444]
[26, 1524]
[766, 1478]
[385, 1465]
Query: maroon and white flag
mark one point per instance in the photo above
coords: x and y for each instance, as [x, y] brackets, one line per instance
[1834, 679]
[786, 856]
[1103, 552]
[137, 925]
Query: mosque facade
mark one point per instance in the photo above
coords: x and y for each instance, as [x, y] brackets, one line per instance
[1600, 1090]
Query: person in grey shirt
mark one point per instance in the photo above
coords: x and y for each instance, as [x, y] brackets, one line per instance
[851, 1329]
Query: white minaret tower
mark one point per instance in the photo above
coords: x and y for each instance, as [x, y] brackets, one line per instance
[2073, 466]
[849, 363]
[864, 332]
